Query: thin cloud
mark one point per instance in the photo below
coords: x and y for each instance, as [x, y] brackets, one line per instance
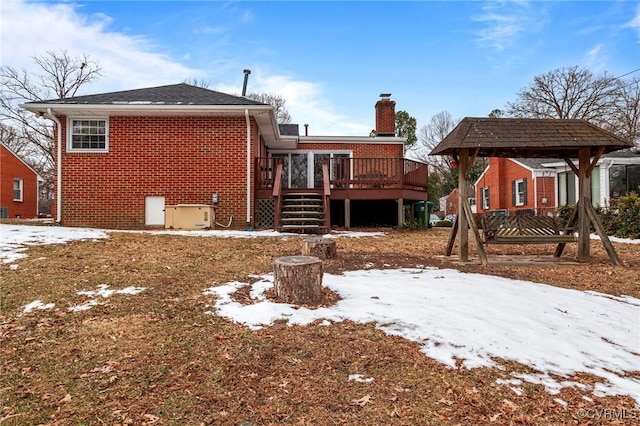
[506, 22]
[306, 104]
[635, 22]
[595, 58]
[210, 30]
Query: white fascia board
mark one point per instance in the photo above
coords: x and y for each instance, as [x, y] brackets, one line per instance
[484, 172]
[143, 108]
[352, 139]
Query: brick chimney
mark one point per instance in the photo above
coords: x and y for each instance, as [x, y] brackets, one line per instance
[385, 116]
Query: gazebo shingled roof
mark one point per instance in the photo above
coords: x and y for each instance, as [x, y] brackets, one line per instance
[528, 138]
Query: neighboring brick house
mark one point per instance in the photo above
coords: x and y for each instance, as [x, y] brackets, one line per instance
[449, 203]
[127, 155]
[514, 184]
[18, 186]
[616, 174]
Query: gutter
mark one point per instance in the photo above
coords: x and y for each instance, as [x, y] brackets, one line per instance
[246, 115]
[49, 113]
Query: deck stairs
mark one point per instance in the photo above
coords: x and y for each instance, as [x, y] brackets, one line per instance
[303, 213]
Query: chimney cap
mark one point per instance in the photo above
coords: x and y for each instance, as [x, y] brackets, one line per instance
[385, 95]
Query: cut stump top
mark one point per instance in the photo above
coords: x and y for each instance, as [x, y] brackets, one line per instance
[297, 260]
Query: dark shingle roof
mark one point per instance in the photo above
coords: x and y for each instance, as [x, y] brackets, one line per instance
[289, 129]
[175, 94]
[533, 163]
[527, 137]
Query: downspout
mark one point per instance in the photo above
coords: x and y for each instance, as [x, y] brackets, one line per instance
[246, 115]
[58, 168]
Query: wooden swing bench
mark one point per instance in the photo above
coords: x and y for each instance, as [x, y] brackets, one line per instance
[524, 229]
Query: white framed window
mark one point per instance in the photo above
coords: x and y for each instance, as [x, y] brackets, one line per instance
[88, 134]
[484, 195]
[18, 189]
[520, 192]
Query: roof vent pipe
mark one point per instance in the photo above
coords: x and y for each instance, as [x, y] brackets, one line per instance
[246, 79]
[306, 130]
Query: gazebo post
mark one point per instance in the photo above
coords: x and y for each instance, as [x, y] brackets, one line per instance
[463, 234]
[584, 192]
[464, 219]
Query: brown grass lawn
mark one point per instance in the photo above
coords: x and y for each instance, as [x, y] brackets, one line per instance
[157, 358]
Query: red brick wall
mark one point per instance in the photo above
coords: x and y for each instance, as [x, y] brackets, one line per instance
[499, 177]
[184, 159]
[376, 149]
[11, 168]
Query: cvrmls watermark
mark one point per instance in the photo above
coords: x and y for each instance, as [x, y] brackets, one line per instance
[609, 413]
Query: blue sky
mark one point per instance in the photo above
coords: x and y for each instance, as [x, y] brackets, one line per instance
[331, 60]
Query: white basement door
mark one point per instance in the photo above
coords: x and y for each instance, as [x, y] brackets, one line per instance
[154, 211]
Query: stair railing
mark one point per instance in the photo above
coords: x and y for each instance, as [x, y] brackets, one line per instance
[326, 194]
[277, 195]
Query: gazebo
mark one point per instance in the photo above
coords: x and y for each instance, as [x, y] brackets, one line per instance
[530, 138]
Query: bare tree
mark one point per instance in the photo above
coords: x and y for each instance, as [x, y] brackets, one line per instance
[568, 93]
[430, 135]
[277, 101]
[627, 111]
[197, 82]
[60, 76]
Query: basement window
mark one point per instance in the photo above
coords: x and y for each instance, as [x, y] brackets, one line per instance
[88, 134]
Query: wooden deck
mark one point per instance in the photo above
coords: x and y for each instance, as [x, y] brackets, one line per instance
[356, 179]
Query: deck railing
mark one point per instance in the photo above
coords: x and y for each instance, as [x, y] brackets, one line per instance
[357, 173]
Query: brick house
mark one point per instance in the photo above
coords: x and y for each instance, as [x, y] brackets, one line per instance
[18, 186]
[515, 179]
[126, 157]
[514, 184]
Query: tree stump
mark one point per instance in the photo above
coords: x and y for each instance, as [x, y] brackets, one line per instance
[323, 248]
[298, 279]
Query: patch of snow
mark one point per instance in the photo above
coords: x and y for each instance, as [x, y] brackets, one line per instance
[517, 391]
[104, 291]
[617, 239]
[14, 238]
[14, 267]
[476, 319]
[84, 307]
[561, 402]
[37, 304]
[360, 378]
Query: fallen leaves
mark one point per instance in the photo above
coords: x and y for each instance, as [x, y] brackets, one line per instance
[367, 399]
[160, 360]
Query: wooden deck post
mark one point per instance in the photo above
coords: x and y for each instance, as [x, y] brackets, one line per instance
[401, 213]
[347, 214]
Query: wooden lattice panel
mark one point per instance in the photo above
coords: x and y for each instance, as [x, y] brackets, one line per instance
[265, 217]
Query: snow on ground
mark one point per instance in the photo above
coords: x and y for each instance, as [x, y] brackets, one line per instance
[475, 318]
[14, 239]
[102, 291]
[454, 316]
[617, 239]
